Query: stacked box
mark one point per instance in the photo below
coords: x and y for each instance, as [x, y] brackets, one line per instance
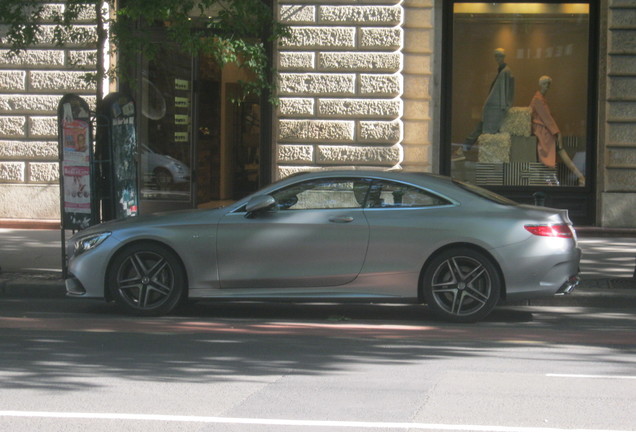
[518, 122]
[523, 149]
[494, 148]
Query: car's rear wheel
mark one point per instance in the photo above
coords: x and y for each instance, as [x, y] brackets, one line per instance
[147, 279]
[461, 285]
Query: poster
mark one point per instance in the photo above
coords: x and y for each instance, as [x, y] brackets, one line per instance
[75, 163]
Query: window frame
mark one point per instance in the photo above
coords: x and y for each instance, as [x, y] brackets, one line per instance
[522, 193]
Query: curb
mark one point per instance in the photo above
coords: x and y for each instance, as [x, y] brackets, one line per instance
[618, 293]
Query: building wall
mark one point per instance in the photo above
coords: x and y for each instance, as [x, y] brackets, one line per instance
[354, 81]
[617, 150]
[358, 87]
[31, 86]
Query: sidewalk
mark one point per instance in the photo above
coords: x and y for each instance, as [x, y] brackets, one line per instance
[31, 266]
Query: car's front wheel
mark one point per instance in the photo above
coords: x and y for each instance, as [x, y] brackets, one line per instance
[147, 279]
[461, 285]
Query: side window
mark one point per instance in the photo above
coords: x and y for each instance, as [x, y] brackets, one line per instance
[386, 194]
[323, 194]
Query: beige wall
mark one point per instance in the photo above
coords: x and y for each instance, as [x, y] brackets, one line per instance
[358, 86]
[355, 85]
[617, 108]
[31, 86]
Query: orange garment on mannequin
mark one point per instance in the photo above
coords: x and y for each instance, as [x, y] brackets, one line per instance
[545, 129]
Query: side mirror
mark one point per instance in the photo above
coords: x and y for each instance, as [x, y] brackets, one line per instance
[259, 203]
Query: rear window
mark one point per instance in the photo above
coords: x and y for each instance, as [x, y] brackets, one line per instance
[485, 193]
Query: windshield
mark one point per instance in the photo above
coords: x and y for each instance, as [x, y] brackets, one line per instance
[485, 193]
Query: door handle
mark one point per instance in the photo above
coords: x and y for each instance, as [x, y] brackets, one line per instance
[341, 219]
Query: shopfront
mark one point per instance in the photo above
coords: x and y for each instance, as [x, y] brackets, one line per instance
[519, 100]
[198, 147]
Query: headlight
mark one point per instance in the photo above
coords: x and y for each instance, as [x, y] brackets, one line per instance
[89, 242]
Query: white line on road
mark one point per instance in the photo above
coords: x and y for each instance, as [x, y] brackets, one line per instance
[621, 377]
[287, 422]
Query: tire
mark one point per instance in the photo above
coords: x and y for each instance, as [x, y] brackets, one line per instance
[147, 279]
[163, 179]
[461, 285]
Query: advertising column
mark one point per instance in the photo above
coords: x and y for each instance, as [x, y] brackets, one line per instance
[77, 201]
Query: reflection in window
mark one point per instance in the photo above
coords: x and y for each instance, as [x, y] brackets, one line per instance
[519, 95]
[386, 194]
[323, 194]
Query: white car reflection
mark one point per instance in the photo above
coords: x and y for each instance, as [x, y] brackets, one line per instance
[162, 171]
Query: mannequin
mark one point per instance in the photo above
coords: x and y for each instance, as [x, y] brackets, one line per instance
[500, 98]
[547, 132]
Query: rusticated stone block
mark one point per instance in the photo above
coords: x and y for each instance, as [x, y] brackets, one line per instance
[315, 130]
[619, 209]
[43, 172]
[59, 80]
[418, 85]
[84, 58]
[381, 131]
[296, 106]
[622, 63]
[622, 157]
[348, 154]
[316, 84]
[43, 127]
[417, 64]
[380, 85]
[289, 153]
[622, 110]
[419, 41]
[286, 171]
[620, 180]
[297, 60]
[28, 150]
[359, 108]
[12, 80]
[32, 57]
[416, 131]
[363, 14]
[83, 34]
[296, 14]
[320, 37]
[622, 133]
[12, 171]
[12, 126]
[28, 104]
[360, 61]
[377, 38]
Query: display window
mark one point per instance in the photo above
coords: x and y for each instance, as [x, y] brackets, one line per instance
[519, 94]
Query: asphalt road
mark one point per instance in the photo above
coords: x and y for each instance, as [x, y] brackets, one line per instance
[78, 366]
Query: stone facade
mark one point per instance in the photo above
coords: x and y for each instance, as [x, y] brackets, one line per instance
[31, 86]
[354, 81]
[617, 153]
[358, 82]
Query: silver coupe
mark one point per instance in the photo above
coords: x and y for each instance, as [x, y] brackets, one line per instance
[363, 235]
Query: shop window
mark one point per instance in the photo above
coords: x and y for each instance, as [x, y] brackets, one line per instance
[519, 94]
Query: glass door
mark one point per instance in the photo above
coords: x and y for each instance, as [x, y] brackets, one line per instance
[165, 131]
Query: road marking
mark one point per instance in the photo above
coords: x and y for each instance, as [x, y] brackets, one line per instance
[633, 377]
[288, 422]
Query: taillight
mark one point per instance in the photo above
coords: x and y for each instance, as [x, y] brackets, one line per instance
[559, 230]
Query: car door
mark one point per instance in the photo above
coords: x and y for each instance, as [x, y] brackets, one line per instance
[315, 236]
